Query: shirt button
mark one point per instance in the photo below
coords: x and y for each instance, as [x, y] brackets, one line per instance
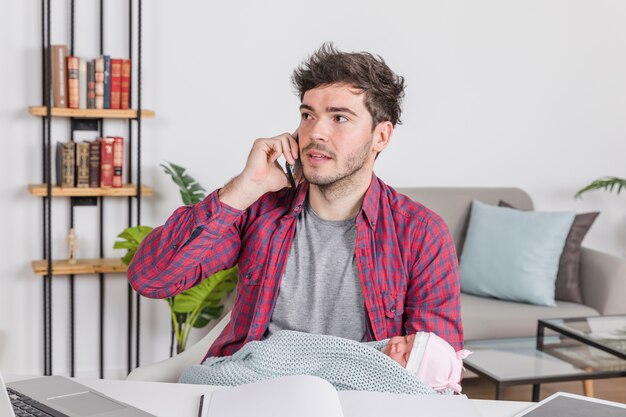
[373, 224]
[393, 309]
[175, 246]
[296, 209]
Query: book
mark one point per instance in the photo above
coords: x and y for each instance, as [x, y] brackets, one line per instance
[564, 404]
[65, 164]
[310, 396]
[99, 78]
[91, 85]
[107, 81]
[125, 85]
[106, 162]
[59, 75]
[73, 94]
[94, 163]
[118, 161]
[82, 164]
[82, 83]
[116, 83]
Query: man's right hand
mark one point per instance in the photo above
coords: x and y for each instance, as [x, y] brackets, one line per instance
[262, 173]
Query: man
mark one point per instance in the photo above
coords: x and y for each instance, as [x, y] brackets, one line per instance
[342, 253]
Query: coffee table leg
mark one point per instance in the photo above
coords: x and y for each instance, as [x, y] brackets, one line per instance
[536, 389]
[499, 392]
[588, 388]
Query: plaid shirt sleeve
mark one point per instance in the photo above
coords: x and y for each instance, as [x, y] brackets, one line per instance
[433, 296]
[194, 243]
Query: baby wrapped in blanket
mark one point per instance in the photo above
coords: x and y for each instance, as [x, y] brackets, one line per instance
[421, 363]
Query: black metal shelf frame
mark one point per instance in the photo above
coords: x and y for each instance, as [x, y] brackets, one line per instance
[92, 125]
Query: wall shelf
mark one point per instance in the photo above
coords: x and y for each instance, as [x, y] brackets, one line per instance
[90, 113]
[81, 267]
[127, 190]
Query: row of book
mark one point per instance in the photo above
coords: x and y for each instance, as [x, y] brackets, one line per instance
[78, 83]
[95, 163]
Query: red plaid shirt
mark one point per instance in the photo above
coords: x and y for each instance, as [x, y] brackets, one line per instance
[405, 256]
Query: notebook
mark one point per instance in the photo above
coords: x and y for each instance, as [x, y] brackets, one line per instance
[310, 396]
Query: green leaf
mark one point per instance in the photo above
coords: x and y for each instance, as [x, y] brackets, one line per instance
[209, 313]
[131, 238]
[604, 183]
[190, 191]
[202, 295]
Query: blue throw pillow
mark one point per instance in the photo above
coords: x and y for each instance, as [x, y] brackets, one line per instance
[513, 255]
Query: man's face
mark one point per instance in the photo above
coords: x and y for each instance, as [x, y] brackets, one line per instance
[335, 135]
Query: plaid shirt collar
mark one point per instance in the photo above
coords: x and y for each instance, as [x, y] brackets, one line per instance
[369, 208]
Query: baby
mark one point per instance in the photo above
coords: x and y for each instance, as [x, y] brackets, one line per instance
[430, 358]
[420, 363]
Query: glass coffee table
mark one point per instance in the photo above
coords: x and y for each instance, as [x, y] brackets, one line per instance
[607, 333]
[524, 361]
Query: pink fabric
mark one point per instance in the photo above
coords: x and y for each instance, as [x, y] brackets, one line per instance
[441, 367]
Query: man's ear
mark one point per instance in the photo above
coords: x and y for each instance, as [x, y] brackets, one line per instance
[382, 136]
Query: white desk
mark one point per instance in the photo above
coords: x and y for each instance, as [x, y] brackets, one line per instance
[181, 400]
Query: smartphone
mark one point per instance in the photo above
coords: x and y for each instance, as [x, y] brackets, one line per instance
[291, 169]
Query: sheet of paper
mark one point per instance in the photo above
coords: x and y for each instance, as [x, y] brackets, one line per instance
[375, 404]
[300, 395]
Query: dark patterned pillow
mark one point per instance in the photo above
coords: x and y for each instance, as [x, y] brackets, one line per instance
[568, 277]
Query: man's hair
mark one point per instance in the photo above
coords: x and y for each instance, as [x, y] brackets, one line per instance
[383, 90]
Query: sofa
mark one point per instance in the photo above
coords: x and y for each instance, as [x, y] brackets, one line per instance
[603, 283]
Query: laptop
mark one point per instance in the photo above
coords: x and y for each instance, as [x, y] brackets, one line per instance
[58, 396]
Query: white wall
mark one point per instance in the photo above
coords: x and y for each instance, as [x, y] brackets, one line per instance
[500, 93]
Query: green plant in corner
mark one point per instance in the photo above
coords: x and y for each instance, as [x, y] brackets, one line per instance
[604, 183]
[197, 306]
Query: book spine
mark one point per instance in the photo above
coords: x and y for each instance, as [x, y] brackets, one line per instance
[59, 163]
[69, 164]
[107, 82]
[106, 162]
[116, 83]
[125, 85]
[94, 163]
[82, 83]
[99, 77]
[72, 82]
[118, 161]
[59, 54]
[91, 85]
[82, 165]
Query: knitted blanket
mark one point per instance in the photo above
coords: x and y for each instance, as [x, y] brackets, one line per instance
[346, 364]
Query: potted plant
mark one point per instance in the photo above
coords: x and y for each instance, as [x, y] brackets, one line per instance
[197, 306]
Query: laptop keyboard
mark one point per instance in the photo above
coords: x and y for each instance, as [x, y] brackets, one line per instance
[24, 406]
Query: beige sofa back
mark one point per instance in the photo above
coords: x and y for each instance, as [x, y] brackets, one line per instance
[454, 203]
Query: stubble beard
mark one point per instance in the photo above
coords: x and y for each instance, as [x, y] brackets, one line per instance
[344, 181]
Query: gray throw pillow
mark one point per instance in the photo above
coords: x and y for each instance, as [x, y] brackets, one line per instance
[568, 277]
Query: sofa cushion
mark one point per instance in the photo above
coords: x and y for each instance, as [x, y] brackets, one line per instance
[486, 318]
[513, 255]
[568, 278]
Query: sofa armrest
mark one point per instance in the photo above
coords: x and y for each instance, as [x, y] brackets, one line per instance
[169, 370]
[603, 281]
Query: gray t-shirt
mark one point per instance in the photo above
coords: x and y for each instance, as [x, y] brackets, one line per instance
[320, 291]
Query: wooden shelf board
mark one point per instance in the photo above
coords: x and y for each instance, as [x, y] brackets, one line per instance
[82, 266]
[127, 190]
[90, 113]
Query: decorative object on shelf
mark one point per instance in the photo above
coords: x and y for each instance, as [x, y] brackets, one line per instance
[197, 306]
[604, 183]
[72, 246]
